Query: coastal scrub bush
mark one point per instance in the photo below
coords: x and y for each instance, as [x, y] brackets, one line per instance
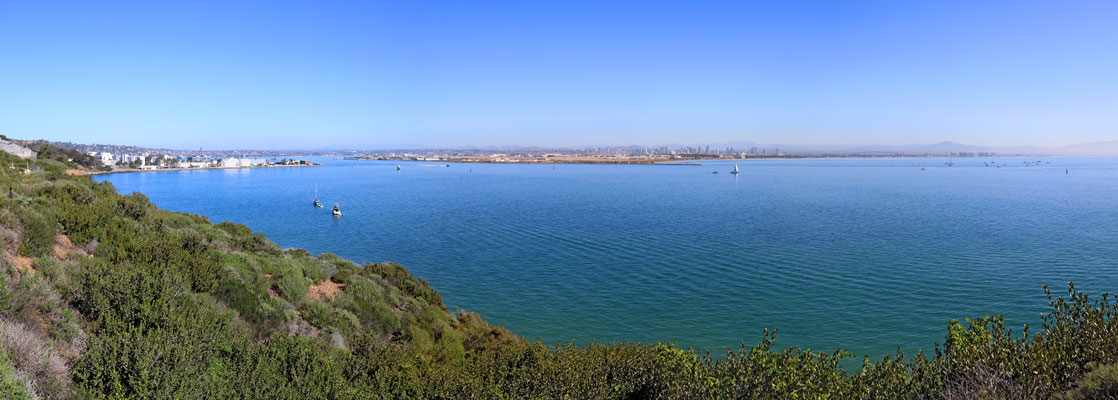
[253, 306]
[134, 206]
[1100, 383]
[29, 353]
[298, 253]
[38, 234]
[1077, 332]
[189, 353]
[294, 367]
[65, 191]
[344, 274]
[5, 295]
[14, 384]
[399, 276]
[311, 269]
[244, 239]
[329, 257]
[234, 229]
[293, 287]
[324, 316]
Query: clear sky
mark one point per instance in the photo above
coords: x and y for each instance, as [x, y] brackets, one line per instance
[309, 75]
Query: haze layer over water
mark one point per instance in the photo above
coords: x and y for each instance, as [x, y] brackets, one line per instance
[866, 254]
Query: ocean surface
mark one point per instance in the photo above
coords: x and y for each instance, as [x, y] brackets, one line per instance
[864, 254]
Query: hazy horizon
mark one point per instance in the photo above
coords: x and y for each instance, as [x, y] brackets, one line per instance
[498, 73]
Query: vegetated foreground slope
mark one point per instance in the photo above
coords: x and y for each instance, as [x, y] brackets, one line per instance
[105, 295]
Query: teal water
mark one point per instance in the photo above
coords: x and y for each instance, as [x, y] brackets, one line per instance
[864, 254]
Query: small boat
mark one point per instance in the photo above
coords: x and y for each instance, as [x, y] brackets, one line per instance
[397, 167]
[714, 172]
[316, 202]
[735, 171]
[337, 211]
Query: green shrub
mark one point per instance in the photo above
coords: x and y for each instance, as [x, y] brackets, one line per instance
[244, 239]
[1100, 383]
[312, 270]
[11, 385]
[324, 316]
[293, 287]
[46, 266]
[134, 206]
[252, 305]
[402, 279]
[37, 239]
[298, 253]
[344, 274]
[5, 295]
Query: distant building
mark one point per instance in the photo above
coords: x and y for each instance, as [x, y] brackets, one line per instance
[241, 162]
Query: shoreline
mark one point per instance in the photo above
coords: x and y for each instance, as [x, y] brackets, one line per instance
[572, 161]
[635, 161]
[126, 171]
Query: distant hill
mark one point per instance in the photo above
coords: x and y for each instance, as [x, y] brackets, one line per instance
[1109, 148]
[1089, 149]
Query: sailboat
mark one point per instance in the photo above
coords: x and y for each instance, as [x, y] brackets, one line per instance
[316, 202]
[736, 170]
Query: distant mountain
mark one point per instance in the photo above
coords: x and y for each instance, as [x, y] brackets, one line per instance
[1109, 148]
[1090, 149]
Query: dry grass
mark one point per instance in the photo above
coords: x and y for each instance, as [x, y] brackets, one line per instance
[37, 307]
[986, 384]
[9, 240]
[47, 371]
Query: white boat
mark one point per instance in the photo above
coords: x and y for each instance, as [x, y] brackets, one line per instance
[735, 171]
[337, 211]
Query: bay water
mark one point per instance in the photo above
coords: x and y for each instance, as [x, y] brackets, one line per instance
[864, 254]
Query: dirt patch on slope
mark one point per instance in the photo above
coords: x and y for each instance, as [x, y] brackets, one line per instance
[63, 248]
[325, 291]
[23, 264]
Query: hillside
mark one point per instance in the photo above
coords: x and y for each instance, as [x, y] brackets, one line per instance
[107, 296]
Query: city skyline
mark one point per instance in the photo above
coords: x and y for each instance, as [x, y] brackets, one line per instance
[313, 76]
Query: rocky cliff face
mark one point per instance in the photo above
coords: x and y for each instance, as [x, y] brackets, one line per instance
[16, 150]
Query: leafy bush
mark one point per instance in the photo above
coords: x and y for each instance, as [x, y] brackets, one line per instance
[312, 270]
[5, 295]
[38, 234]
[13, 384]
[344, 274]
[293, 287]
[399, 276]
[245, 240]
[1100, 383]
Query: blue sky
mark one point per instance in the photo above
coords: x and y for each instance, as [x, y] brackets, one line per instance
[450, 73]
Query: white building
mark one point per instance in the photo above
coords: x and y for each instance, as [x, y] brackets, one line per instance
[241, 162]
[105, 158]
